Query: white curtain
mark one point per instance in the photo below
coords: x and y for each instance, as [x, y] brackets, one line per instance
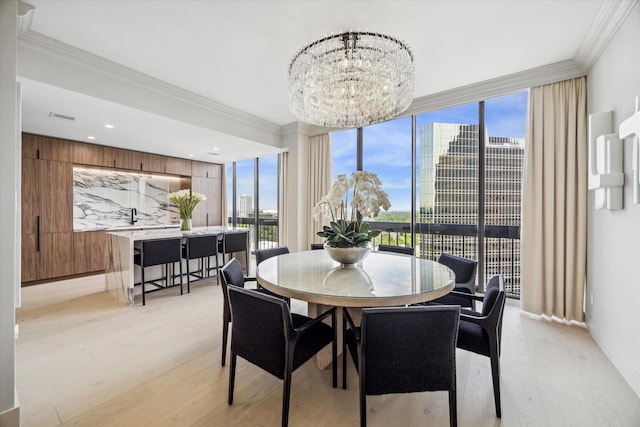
[554, 215]
[320, 172]
[283, 205]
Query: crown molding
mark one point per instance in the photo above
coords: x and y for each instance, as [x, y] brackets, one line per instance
[88, 64]
[609, 18]
[25, 17]
[496, 87]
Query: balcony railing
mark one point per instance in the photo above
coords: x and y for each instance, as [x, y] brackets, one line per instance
[501, 251]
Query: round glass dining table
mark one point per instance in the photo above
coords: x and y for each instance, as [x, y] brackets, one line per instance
[381, 279]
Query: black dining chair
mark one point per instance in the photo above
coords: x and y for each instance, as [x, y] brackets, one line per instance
[465, 286]
[266, 334]
[234, 241]
[317, 246]
[159, 252]
[403, 350]
[481, 332]
[263, 254]
[232, 275]
[397, 249]
[203, 248]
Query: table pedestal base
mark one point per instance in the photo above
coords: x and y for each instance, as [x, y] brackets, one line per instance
[323, 358]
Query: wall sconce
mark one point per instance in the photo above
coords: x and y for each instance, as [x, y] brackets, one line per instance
[605, 162]
[631, 127]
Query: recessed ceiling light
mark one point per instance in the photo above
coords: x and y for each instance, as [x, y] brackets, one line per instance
[190, 155]
[215, 148]
[91, 137]
[108, 126]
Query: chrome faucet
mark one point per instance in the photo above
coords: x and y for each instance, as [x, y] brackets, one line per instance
[134, 215]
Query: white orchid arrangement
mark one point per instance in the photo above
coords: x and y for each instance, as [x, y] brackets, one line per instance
[186, 201]
[367, 197]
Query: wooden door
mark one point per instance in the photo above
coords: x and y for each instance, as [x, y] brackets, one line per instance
[177, 166]
[55, 194]
[209, 212]
[56, 255]
[89, 251]
[153, 163]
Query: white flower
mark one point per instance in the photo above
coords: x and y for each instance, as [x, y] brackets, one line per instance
[367, 197]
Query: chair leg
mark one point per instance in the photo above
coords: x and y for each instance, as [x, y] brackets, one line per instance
[225, 332]
[495, 374]
[142, 276]
[453, 408]
[188, 276]
[286, 392]
[334, 350]
[363, 404]
[232, 378]
[180, 268]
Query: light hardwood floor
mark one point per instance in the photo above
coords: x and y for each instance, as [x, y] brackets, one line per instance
[84, 359]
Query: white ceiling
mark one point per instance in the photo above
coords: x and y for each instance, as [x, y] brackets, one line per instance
[236, 53]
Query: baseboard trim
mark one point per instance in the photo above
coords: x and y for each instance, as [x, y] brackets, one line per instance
[617, 357]
[10, 417]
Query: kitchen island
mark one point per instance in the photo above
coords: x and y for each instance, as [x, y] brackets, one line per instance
[120, 248]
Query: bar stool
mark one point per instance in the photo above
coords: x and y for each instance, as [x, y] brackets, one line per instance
[159, 252]
[234, 241]
[202, 248]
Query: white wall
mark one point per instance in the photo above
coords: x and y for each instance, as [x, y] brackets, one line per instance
[9, 211]
[613, 245]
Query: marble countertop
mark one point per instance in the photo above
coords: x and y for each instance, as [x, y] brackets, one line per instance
[149, 234]
[131, 227]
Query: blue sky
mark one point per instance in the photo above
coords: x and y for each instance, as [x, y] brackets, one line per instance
[387, 148]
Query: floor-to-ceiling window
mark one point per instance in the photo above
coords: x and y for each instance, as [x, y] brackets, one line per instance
[459, 177]
[386, 150]
[505, 122]
[447, 143]
[252, 199]
[267, 201]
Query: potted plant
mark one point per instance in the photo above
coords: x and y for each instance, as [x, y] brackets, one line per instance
[348, 237]
[186, 201]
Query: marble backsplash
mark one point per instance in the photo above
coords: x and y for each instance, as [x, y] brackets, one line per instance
[103, 199]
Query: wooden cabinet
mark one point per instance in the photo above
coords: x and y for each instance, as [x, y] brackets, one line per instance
[177, 166]
[89, 251]
[125, 159]
[46, 148]
[93, 155]
[153, 162]
[50, 247]
[47, 218]
[209, 212]
[207, 170]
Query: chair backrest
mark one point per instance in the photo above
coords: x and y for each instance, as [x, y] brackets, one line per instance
[493, 304]
[409, 349]
[232, 273]
[317, 246]
[263, 254]
[397, 249]
[464, 268]
[161, 251]
[201, 246]
[261, 324]
[235, 241]
[494, 298]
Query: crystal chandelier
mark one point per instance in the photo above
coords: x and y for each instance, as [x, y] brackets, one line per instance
[351, 79]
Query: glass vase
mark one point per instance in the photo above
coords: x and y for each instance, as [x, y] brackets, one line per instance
[185, 224]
